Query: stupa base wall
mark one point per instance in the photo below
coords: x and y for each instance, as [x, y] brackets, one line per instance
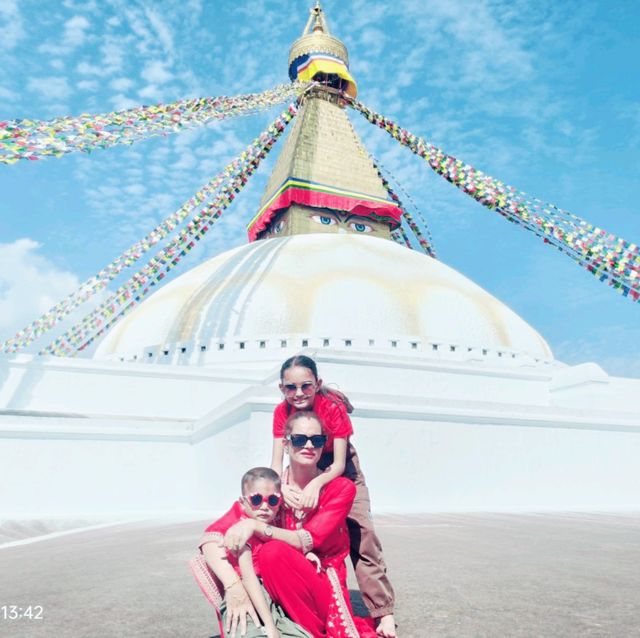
[411, 465]
[427, 442]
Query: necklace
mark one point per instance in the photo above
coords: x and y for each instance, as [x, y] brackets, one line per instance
[298, 514]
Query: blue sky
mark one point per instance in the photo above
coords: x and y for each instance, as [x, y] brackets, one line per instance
[543, 95]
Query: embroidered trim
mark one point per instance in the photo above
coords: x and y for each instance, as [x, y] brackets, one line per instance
[205, 579]
[338, 596]
[210, 537]
[209, 585]
[305, 539]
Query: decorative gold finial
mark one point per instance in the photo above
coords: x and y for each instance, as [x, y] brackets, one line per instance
[316, 23]
[317, 55]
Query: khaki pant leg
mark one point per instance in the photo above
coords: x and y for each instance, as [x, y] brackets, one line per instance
[366, 555]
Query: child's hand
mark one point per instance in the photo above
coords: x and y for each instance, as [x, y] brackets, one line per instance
[238, 608]
[291, 496]
[309, 496]
[238, 535]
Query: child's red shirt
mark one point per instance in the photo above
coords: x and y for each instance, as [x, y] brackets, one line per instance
[216, 531]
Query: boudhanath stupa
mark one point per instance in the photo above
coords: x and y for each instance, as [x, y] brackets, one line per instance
[460, 404]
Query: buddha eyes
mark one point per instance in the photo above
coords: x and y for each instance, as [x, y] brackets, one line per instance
[360, 228]
[325, 220]
[279, 226]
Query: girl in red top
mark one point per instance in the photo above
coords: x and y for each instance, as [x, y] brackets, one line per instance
[303, 391]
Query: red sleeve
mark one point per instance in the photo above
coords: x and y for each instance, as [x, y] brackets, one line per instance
[337, 421]
[279, 419]
[335, 503]
[226, 521]
[216, 531]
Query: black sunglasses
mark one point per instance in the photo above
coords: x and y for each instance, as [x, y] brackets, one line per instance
[300, 440]
[256, 499]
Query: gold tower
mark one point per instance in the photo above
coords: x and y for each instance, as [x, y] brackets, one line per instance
[323, 181]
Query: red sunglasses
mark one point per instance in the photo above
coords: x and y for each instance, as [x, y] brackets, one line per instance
[256, 499]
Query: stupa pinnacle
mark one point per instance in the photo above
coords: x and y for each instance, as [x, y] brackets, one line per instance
[317, 55]
[323, 180]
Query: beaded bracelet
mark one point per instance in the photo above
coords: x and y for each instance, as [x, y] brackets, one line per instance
[235, 582]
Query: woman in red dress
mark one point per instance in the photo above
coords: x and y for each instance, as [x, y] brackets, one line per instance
[303, 390]
[303, 564]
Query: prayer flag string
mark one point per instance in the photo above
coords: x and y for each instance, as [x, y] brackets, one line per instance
[426, 243]
[127, 296]
[399, 235]
[37, 139]
[606, 256]
[100, 280]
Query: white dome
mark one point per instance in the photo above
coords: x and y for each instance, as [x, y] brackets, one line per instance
[325, 285]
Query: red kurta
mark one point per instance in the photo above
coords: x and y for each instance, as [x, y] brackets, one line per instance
[317, 602]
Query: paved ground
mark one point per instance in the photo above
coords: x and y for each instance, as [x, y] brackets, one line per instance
[12, 531]
[472, 575]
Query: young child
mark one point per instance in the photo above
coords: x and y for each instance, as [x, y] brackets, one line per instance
[246, 607]
[302, 390]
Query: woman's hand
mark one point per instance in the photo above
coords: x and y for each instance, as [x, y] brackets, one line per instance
[310, 556]
[309, 496]
[291, 496]
[238, 535]
[238, 607]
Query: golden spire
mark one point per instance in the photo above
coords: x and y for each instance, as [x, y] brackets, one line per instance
[318, 55]
[323, 180]
[316, 21]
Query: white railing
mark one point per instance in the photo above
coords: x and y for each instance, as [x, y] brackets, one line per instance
[227, 349]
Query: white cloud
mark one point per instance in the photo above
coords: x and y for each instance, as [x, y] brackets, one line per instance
[10, 24]
[112, 54]
[73, 36]
[121, 84]
[144, 38]
[162, 30]
[629, 113]
[372, 40]
[156, 73]
[75, 31]
[50, 88]
[82, 5]
[122, 102]
[7, 94]
[150, 93]
[88, 85]
[84, 68]
[29, 284]
[187, 161]
[135, 189]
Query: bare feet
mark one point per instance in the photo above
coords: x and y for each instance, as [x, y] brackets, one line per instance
[387, 627]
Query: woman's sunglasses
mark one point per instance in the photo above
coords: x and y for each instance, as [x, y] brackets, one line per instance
[256, 499]
[300, 440]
